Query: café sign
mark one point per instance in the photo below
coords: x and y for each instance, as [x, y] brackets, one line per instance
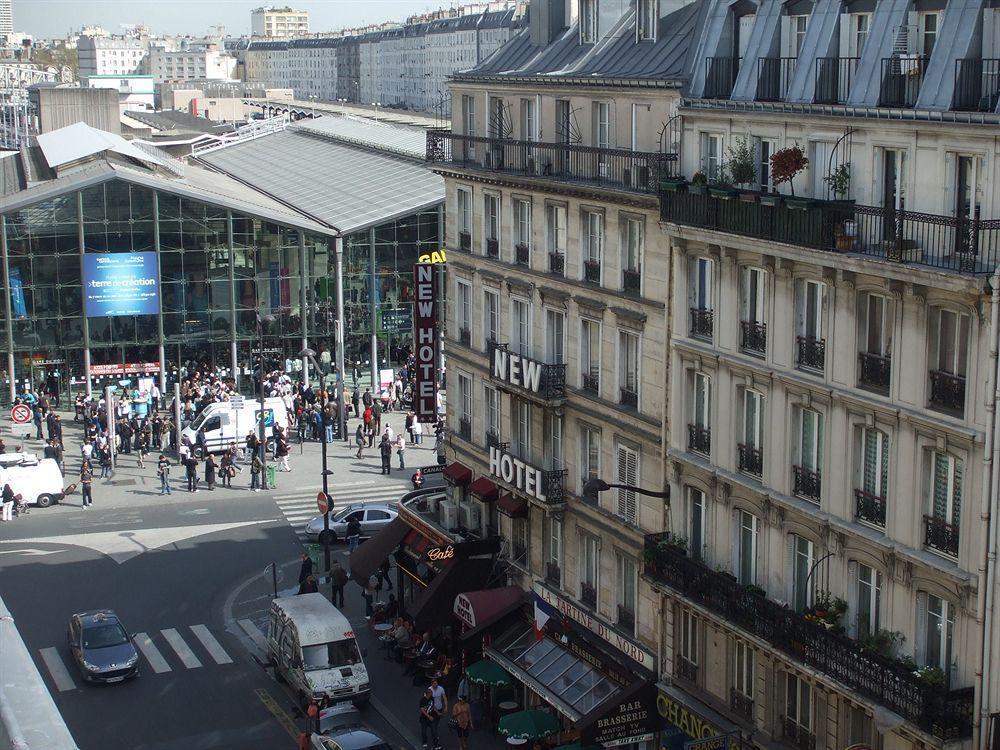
[517, 370]
[605, 632]
[633, 720]
[515, 472]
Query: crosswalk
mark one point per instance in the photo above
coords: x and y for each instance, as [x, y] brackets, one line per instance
[298, 509]
[161, 651]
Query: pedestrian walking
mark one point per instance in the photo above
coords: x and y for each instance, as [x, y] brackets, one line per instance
[163, 472]
[353, 532]
[256, 469]
[440, 698]
[385, 449]
[8, 503]
[359, 440]
[86, 482]
[400, 448]
[281, 451]
[191, 463]
[356, 402]
[418, 432]
[461, 716]
[228, 468]
[371, 589]
[104, 456]
[377, 409]
[338, 579]
[306, 568]
[210, 471]
[408, 425]
[428, 719]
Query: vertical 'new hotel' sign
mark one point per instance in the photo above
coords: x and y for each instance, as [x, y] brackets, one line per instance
[425, 342]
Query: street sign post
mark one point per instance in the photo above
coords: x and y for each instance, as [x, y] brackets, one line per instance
[236, 402]
[322, 503]
[20, 414]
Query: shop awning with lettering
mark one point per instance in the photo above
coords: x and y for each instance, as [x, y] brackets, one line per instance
[480, 609]
[365, 559]
[457, 474]
[513, 505]
[484, 489]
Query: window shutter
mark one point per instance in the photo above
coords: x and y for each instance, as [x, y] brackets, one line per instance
[956, 512]
[820, 710]
[628, 470]
[789, 570]
[950, 180]
[846, 27]
[800, 307]
[920, 644]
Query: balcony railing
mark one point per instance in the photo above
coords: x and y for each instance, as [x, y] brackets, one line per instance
[875, 371]
[492, 248]
[631, 281]
[553, 575]
[592, 382]
[741, 704]
[962, 244]
[901, 79]
[869, 507]
[626, 619]
[622, 169]
[834, 78]
[702, 322]
[522, 254]
[557, 263]
[592, 271]
[588, 595]
[464, 336]
[629, 398]
[881, 679]
[947, 390]
[687, 669]
[551, 381]
[699, 439]
[798, 736]
[811, 352]
[941, 535]
[977, 85]
[465, 242]
[773, 76]
[492, 438]
[807, 483]
[465, 429]
[720, 76]
[751, 459]
[753, 336]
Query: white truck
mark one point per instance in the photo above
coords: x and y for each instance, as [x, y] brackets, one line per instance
[38, 481]
[312, 647]
[221, 424]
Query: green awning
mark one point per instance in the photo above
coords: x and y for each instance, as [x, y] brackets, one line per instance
[489, 673]
[529, 725]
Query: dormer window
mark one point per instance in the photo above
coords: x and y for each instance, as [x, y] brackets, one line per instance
[588, 21]
[646, 21]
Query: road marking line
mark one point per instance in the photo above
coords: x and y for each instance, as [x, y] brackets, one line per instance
[185, 654]
[253, 632]
[211, 645]
[60, 675]
[152, 653]
[279, 713]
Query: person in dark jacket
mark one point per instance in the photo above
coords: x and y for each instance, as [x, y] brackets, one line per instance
[210, 471]
[385, 449]
[353, 532]
[191, 464]
[306, 568]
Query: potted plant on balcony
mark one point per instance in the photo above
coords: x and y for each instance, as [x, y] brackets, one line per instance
[827, 611]
[845, 229]
[698, 184]
[786, 164]
[742, 168]
[883, 642]
[722, 188]
[930, 676]
[673, 184]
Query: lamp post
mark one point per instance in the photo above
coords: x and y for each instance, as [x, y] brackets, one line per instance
[325, 536]
[592, 487]
[261, 320]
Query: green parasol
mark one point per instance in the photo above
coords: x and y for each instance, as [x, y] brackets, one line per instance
[578, 746]
[529, 725]
[488, 673]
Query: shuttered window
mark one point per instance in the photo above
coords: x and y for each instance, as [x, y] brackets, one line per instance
[875, 475]
[748, 535]
[946, 486]
[702, 400]
[743, 672]
[628, 473]
[753, 404]
[811, 440]
[696, 522]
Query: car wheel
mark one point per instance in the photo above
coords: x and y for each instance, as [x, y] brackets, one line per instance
[198, 452]
[269, 445]
[44, 501]
[327, 537]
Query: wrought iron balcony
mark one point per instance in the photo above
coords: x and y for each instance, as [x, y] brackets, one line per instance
[557, 263]
[588, 595]
[807, 483]
[798, 736]
[977, 84]
[631, 281]
[741, 704]
[720, 76]
[941, 535]
[686, 669]
[592, 382]
[773, 76]
[948, 714]
[465, 242]
[875, 371]
[947, 390]
[699, 439]
[834, 78]
[812, 353]
[751, 459]
[522, 254]
[753, 337]
[702, 322]
[592, 271]
[553, 575]
[464, 336]
[626, 619]
[901, 79]
[869, 507]
[551, 383]
[960, 244]
[492, 438]
[618, 168]
[629, 398]
[465, 429]
[492, 248]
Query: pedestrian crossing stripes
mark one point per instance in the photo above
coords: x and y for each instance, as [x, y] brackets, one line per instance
[160, 652]
[300, 508]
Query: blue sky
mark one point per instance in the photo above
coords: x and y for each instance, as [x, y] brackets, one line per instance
[48, 18]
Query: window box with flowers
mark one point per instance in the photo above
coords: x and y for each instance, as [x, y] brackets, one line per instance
[827, 611]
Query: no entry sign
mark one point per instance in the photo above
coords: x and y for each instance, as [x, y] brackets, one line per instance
[20, 414]
[425, 342]
[322, 502]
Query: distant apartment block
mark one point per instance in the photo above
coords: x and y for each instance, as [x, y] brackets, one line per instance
[110, 56]
[279, 23]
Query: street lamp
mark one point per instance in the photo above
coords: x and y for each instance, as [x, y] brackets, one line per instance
[593, 486]
[261, 320]
[325, 537]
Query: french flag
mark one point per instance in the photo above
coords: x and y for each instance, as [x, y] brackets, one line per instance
[543, 613]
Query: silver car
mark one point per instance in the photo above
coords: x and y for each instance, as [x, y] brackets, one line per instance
[372, 518]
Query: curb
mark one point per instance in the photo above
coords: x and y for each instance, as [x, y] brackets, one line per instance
[401, 728]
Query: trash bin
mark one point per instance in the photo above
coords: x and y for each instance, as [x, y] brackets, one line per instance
[271, 477]
[313, 551]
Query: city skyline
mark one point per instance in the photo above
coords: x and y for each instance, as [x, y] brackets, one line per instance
[57, 18]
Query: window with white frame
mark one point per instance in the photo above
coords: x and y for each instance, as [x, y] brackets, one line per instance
[803, 585]
[810, 453]
[491, 216]
[588, 21]
[555, 541]
[927, 22]
[753, 287]
[752, 448]
[747, 542]
[798, 703]
[631, 241]
[553, 441]
[520, 326]
[465, 398]
[628, 473]
[529, 120]
[590, 354]
[809, 300]
[491, 315]
[590, 454]
[492, 411]
[593, 243]
[743, 669]
[555, 228]
[602, 135]
[590, 564]
[628, 368]
[701, 408]
[875, 318]
[949, 341]
[875, 463]
[469, 124]
[463, 197]
[696, 523]
[648, 16]
[711, 156]
[464, 307]
[869, 601]
[555, 345]
[519, 541]
[688, 645]
[701, 272]
[797, 32]
[522, 223]
[627, 578]
[522, 429]
[938, 625]
[764, 149]
[859, 25]
[946, 491]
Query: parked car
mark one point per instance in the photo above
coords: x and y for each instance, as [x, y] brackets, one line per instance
[341, 728]
[372, 517]
[102, 649]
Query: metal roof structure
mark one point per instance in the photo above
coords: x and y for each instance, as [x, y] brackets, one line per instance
[176, 120]
[360, 131]
[347, 188]
[79, 140]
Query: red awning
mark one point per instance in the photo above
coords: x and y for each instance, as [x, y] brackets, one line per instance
[484, 489]
[513, 505]
[416, 542]
[477, 609]
[457, 474]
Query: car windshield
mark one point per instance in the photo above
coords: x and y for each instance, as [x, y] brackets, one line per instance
[199, 421]
[333, 654]
[342, 515]
[102, 636]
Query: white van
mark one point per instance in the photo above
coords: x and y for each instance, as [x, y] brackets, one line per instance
[312, 647]
[220, 425]
[38, 481]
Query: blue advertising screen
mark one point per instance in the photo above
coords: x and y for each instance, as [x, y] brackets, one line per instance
[120, 284]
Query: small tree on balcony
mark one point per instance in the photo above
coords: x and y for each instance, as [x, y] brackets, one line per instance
[786, 164]
[740, 167]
